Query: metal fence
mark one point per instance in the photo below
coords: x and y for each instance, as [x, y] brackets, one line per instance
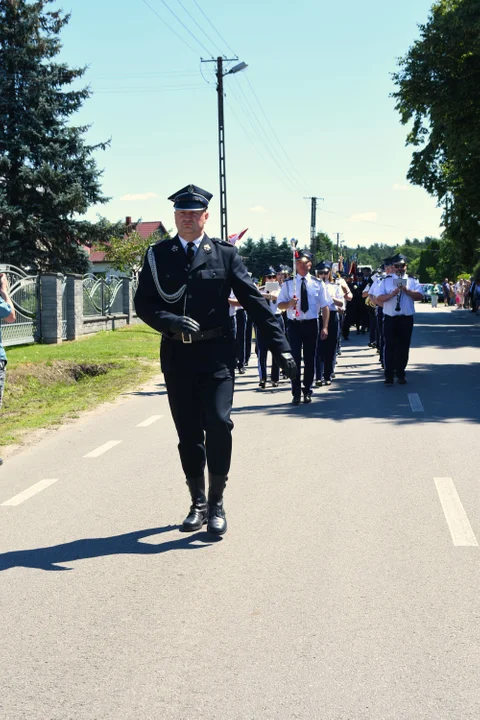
[101, 296]
[24, 295]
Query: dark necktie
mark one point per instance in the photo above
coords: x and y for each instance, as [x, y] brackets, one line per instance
[190, 253]
[304, 297]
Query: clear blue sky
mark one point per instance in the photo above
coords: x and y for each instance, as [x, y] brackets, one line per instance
[321, 72]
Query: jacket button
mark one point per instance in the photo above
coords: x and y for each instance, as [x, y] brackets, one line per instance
[190, 296]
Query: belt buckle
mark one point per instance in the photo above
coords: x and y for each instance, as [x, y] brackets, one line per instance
[185, 341]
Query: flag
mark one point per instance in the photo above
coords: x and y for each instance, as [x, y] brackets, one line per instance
[236, 236]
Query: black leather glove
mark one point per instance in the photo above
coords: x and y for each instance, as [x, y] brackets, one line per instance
[184, 324]
[288, 365]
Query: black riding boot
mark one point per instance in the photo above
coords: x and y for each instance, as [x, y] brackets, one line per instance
[217, 521]
[199, 509]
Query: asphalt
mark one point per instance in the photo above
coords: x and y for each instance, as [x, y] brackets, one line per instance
[347, 586]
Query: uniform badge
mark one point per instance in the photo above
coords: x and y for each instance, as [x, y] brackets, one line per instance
[207, 248]
[175, 248]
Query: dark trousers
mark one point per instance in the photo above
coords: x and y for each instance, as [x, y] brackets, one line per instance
[326, 349]
[248, 339]
[201, 405]
[397, 337]
[380, 337]
[240, 337]
[262, 355]
[303, 334]
[372, 323]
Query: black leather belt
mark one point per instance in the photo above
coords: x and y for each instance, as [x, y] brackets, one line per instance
[303, 321]
[189, 338]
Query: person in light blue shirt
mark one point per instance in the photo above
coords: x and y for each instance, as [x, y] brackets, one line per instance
[7, 314]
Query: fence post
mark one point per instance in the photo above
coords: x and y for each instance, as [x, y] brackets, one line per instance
[74, 292]
[127, 298]
[51, 307]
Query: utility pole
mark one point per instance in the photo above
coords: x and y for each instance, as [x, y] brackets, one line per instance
[313, 221]
[338, 244]
[221, 139]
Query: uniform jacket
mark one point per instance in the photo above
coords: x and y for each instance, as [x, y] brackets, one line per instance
[216, 271]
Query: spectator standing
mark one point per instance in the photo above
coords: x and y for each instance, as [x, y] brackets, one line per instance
[7, 314]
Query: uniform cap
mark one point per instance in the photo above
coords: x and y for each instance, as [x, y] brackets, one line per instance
[269, 271]
[299, 254]
[388, 261]
[399, 258]
[323, 265]
[191, 197]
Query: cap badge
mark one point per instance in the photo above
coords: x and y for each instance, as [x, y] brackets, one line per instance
[191, 189]
[207, 248]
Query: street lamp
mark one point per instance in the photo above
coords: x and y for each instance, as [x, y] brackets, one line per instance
[221, 138]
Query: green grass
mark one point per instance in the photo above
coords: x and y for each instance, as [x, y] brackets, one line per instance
[50, 383]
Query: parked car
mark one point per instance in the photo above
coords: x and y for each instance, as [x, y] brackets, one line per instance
[427, 291]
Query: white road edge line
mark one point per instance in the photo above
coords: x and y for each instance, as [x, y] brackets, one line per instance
[415, 402]
[149, 421]
[102, 449]
[30, 492]
[455, 515]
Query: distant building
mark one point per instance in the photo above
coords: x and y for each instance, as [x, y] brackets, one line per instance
[99, 266]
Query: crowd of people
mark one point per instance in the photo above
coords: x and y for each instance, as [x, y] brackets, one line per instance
[318, 312]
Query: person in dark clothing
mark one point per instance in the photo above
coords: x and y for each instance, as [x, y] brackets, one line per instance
[183, 292]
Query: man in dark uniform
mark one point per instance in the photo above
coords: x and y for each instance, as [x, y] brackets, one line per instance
[183, 293]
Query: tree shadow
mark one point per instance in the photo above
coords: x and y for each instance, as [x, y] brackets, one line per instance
[47, 558]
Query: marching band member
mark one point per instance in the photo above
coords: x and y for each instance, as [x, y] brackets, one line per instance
[326, 347]
[398, 294]
[302, 321]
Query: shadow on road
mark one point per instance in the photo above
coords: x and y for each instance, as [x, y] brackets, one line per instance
[127, 544]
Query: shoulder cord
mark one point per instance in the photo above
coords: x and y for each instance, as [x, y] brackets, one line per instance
[174, 297]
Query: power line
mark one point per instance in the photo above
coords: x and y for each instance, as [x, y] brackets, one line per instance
[185, 27]
[270, 126]
[199, 26]
[370, 222]
[154, 88]
[283, 177]
[275, 155]
[170, 27]
[213, 26]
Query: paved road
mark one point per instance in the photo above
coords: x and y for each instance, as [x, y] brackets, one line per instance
[347, 586]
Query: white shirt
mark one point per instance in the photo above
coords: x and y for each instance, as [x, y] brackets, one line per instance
[316, 293]
[334, 291]
[195, 242]
[407, 305]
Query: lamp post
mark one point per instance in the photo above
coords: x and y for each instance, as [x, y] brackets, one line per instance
[221, 139]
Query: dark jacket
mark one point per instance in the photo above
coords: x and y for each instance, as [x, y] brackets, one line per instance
[216, 271]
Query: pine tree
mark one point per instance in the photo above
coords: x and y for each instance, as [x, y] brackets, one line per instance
[48, 175]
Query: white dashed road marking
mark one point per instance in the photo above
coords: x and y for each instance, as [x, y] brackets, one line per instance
[415, 402]
[456, 517]
[102, 449]
[149, 421]
[30, 492]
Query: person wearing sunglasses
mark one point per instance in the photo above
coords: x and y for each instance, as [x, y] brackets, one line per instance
[398, 294]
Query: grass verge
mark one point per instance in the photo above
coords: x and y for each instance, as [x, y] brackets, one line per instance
[50, 383]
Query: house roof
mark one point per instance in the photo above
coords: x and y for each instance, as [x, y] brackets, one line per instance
[144, 229]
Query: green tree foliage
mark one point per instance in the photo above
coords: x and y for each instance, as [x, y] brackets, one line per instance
[48, 175]
[438, 93]
[127, 251]
[323, 248]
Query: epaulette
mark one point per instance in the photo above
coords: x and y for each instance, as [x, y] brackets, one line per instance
[225, 243]
[413, 277]
[288, 280]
